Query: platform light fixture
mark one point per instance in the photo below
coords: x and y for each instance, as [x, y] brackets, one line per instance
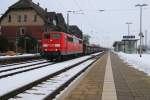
[129, 23]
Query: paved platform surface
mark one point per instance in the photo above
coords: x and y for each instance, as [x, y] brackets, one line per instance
[130, 83]
[112, 79]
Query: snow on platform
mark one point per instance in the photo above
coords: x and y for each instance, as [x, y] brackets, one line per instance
[134, 60]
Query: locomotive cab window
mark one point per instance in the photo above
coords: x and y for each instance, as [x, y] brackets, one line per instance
[55, 36]
[70, 39]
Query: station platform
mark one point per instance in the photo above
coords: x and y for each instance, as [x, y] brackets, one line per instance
[111, 79]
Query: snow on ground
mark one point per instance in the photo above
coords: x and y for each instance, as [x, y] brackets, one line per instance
[141, 63]
[25, 78]
[19, 56]
[51, 85]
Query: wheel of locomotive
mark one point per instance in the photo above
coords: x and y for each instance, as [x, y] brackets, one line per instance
[49, 58]
[59, 58]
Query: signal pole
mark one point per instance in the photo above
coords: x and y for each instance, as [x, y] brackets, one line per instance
[141, 33]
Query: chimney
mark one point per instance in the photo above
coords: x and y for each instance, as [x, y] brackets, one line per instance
[38, 4]
[45, 9]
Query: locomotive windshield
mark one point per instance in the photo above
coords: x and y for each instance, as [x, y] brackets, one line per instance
[55, 36]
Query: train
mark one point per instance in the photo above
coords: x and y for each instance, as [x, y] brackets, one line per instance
[57, 45]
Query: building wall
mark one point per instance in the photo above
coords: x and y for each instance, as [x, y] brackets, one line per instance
[15, 16]
[11, 31]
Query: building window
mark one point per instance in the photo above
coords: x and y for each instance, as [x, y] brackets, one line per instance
[19, 18]
[35, 18]
[54, 22]
[22, 31]
[25, 18]
[9, 18]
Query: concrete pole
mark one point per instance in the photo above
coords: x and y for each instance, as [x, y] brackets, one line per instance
[141, 34]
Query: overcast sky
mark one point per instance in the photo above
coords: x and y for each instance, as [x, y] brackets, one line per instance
[103, 27]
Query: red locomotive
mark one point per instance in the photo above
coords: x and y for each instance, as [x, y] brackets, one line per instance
[59, 44]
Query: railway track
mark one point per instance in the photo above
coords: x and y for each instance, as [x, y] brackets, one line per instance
[24, 62]
[18, 59]
[48, 86]
[18, 70]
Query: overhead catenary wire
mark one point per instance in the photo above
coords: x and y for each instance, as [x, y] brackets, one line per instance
[85, 15]
[60, 5]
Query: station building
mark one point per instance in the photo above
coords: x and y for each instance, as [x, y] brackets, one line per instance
[128, 44]
[27, 19]
[118, 46]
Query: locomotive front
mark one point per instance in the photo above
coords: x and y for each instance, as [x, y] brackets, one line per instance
[51, 44]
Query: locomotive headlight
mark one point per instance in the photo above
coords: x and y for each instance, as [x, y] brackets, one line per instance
[57, 45]
[45, 45]
[46, 50]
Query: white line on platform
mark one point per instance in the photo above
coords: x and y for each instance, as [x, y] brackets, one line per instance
[109, 90]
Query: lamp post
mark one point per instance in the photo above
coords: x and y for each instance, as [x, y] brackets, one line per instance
[128, 23]
[141, 33]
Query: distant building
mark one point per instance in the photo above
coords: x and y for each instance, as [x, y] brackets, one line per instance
[130, 44]
[118, 46]
[27, 18]
[127, 45]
